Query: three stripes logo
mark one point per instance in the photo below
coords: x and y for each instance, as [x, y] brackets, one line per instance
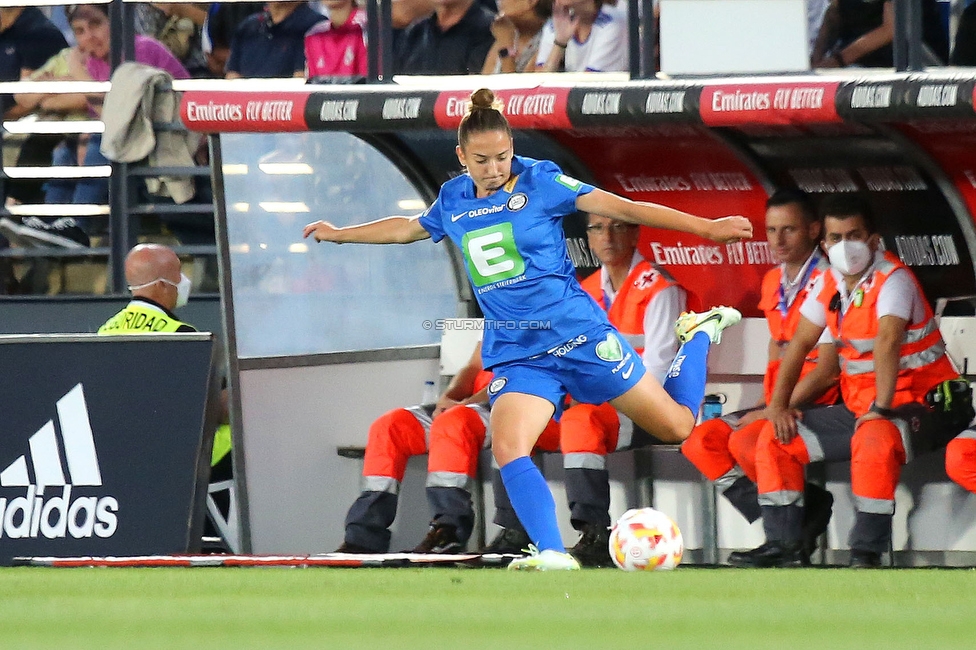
[55, 515]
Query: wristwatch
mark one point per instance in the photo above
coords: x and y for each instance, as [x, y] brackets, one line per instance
[883, 412]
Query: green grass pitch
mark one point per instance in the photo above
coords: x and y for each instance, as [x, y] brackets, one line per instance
[442, 608]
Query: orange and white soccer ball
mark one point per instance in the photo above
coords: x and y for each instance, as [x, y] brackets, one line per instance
[645, 539]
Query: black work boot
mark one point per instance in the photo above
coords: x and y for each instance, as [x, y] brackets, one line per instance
[510, 541]
[771, 555]
[356, 549]
[864, 559]
[593, 548]
[818, 507]
[440, 539]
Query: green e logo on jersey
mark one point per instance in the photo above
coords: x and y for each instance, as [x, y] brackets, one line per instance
[491, 254]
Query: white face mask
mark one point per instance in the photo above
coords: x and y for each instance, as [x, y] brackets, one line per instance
[183, 291]
[182, 288]
[849, 257]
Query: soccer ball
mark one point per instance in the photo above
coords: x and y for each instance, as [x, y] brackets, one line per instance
[646, 539]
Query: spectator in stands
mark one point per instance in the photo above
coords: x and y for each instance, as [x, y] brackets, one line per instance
[178, 26]
[27, 40]
[643, 302]
[222, 21]
[271, 43]
[90, 60]
[336, 48]
[860, 33]
[964, 48]
[517, 30]
[53, 149]
[893, 370]
[724, 449]
[454, 40]
[585, 36]
[154, 276]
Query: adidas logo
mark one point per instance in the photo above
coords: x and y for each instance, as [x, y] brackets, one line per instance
[57, 516]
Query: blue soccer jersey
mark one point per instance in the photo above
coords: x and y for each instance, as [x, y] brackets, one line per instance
[515, 253]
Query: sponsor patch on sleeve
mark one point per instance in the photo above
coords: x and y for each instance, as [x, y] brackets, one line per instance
[568, 181]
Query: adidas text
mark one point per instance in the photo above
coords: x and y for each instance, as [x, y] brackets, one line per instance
[58, 516]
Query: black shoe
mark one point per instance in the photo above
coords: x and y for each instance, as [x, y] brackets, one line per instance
[33, 231]
[819, 504]
[440, 539]
[593, 548]
[864, 559]
[354, 549]
[771, 555]
[510, 541]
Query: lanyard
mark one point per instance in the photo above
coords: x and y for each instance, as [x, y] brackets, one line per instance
[805, 273]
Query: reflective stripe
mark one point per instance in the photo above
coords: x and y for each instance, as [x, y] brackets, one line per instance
[485, 414]
[781, 498]
[380, 484]
[725, 481]
[584, 460]
[909, 362]
[449, 479]
[874, 506]
[906, 438]
[814, 448]
[422, 416]
[969, 434]
[635, 340]
[625, 437]
[911, 336]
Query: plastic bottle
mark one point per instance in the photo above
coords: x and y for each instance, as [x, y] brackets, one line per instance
[712, 407]
[430, 393]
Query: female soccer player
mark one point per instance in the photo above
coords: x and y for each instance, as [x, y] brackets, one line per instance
[505, 215]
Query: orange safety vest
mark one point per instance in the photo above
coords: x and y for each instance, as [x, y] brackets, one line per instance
[627, 311]
[923, 363]
[783, 321]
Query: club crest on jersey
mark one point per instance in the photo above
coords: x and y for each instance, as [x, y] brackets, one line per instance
[610, 349]
[496, 385]
[517, 201]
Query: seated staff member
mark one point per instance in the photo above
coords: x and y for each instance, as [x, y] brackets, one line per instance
[893, 370]
[724, 449]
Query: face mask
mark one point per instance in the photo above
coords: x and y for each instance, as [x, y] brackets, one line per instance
[182, 288]
[183, 291]
[849, 257]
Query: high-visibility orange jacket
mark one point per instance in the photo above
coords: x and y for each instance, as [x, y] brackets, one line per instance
[783, 320]
[923, 362]
[627, 311]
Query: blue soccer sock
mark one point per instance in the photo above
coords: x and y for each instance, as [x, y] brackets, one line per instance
[533, 503]
[685, 381]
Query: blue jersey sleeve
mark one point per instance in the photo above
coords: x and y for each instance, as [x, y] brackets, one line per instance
[432, 220]
[560, 190]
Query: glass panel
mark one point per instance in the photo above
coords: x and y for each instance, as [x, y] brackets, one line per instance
[292, 296]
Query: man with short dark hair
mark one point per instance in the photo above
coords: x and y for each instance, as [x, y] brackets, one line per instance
[893, 371]
[454, 40]
[724, 449]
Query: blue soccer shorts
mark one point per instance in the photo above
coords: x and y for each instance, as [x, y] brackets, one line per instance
[594, 368]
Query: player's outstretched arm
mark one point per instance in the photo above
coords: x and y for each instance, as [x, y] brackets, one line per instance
[391, 230]
[610, 205]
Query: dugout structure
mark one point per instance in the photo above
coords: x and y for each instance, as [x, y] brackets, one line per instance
[318, 351]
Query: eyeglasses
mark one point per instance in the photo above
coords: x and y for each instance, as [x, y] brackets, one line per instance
[613, 228]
